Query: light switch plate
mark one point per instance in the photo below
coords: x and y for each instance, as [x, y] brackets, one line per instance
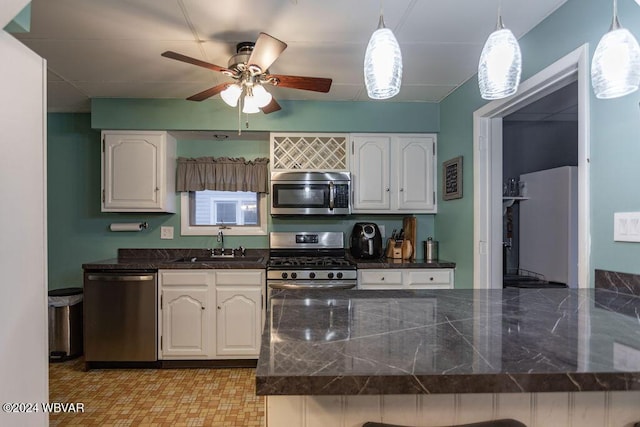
[626, 226]
[166, 232]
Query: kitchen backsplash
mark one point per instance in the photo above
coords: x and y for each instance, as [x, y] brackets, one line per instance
[623, 283]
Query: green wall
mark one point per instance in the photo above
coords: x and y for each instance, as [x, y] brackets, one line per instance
[615, 148]
[78, 232]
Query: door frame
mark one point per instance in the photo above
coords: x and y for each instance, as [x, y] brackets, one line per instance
[487, 180]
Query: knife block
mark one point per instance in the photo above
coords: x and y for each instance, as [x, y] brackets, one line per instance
[394, 249]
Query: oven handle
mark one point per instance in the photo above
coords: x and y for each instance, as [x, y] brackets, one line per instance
[332, 195]
[309, 285]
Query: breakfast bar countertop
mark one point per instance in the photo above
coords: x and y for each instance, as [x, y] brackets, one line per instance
[449, 341]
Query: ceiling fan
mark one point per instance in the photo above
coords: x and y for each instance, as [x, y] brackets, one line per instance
[249, 70]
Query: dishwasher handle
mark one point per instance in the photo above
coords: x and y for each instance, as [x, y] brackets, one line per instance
[118, 277]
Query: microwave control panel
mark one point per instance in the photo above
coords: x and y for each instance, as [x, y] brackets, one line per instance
[342, 196]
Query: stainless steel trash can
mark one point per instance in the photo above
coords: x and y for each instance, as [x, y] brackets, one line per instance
[65, 324]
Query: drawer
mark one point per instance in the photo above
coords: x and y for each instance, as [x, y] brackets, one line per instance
[241, 277]
[428, 277]
[181, 277]
[380, 277]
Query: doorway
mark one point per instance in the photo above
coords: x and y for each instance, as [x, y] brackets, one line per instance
[539, 173]
[488, 174]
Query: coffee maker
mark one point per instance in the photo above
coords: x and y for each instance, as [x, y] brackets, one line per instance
[366, 241]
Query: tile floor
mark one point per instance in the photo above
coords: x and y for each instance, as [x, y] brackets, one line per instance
[155, 397]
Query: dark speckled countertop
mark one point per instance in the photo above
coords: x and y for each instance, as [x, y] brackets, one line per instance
[154, 259]
[449, 341]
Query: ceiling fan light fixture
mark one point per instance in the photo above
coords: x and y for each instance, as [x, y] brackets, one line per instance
[261, 95]
[231, 95]
[383, 64]
[500, 64]
[249, 104]
[615, 68]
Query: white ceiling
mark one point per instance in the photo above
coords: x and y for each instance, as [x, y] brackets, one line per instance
[111, 48]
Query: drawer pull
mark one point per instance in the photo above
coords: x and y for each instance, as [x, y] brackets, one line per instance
[431, 278]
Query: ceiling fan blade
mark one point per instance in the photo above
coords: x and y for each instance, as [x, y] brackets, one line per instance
[194, 61]
[266, 51]
[316, 84]
[271, 107]
[209, 92]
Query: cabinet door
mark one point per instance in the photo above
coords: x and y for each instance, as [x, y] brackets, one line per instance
[414, 159]
[138, 171]
[370, 173]
[238, 321]
[186, 321]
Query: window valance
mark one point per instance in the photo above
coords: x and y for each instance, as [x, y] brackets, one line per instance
[222, 174]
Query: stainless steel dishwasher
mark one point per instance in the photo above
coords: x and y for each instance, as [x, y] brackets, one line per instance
[120, 316]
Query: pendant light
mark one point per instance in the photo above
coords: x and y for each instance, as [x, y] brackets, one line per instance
[500, 63]
[382, 63]
[615, 69]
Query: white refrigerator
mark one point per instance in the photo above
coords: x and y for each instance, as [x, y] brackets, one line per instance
[548, 232]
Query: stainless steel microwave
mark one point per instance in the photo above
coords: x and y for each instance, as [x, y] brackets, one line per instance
[310, 193]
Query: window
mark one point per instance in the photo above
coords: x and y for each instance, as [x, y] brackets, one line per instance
[238, 212]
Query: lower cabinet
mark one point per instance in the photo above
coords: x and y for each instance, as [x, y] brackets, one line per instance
[239, 312]
[406, 278]
[210, 314]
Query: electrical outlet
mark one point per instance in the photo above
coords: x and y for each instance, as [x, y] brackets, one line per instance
[166, 232]
[626, 226]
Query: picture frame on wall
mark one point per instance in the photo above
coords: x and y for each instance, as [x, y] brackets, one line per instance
[452, 179]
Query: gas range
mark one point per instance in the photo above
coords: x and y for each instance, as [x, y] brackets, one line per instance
[309, 260]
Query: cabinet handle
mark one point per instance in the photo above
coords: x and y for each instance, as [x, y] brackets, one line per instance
[387, 189]
[431, 278]
[382, 278]
[202, 308]
[219, 308]
[157, 189]
[402, 189]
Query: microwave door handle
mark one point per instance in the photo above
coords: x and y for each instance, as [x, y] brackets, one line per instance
[332, 195]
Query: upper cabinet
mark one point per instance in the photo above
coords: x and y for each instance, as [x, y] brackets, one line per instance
[393, 173]
[309, 152]
[138, 171]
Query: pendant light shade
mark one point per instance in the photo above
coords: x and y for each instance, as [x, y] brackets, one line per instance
[615, 69]
[383, 64]
[500, 64]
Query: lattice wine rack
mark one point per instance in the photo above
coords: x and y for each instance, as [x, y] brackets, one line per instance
[326, 152]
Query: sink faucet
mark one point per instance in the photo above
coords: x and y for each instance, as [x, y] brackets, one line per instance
[221, 241]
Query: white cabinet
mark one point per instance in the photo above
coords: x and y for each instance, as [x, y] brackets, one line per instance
[406, 278]
[393, 173]
[210, 314]
[239, 297]
[186, 314]
[138, 171]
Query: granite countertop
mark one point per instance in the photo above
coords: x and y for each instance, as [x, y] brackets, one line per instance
[154, 259]
[449, 341]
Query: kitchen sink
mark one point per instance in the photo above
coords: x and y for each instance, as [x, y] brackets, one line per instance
[220, 258]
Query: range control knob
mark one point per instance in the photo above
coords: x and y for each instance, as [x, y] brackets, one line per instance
[284, 275]
[330, 275]
[312, 275]
[294, 275]
[339, 275]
